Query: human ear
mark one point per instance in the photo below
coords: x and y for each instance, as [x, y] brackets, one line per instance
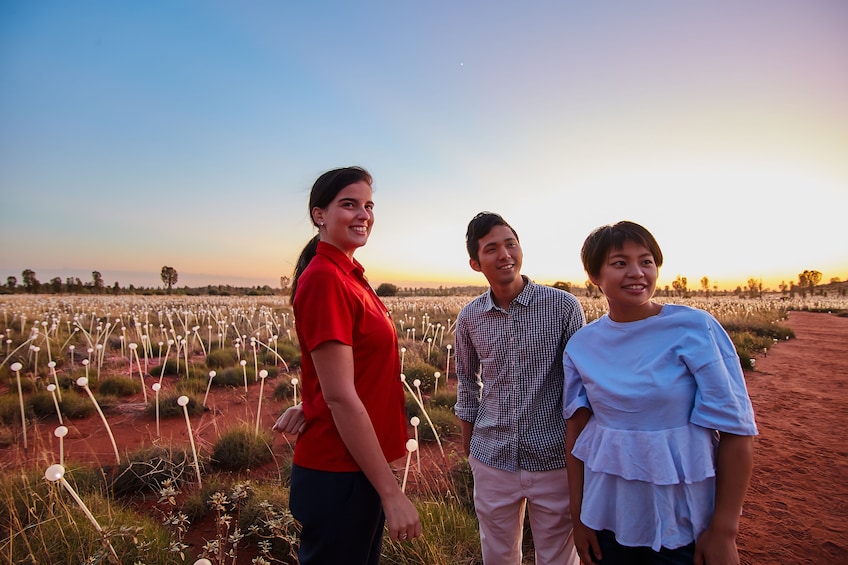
[475, 264]
[318, 216]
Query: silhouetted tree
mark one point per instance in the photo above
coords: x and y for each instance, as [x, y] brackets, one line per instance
[566, 286]
[97, 282]
[387, 289]
[809, 279]
[755, 287]
[11, 282]
[29, 281]
[56, 284]
[679, 285]
[169, 277]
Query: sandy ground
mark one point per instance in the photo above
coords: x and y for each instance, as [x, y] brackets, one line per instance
[797, 506]
[796, 510]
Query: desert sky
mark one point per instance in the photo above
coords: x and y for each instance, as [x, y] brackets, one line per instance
[135, 135]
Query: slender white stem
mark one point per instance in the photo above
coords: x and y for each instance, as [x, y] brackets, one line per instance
[262, 374]
[83, 382]
[183, 401]
[16, 367]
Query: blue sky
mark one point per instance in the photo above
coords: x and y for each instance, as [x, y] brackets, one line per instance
[185, 133]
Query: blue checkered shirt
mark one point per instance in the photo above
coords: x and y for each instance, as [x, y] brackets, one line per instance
[510, 376]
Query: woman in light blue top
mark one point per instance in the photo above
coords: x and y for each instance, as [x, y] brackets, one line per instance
[659, 425]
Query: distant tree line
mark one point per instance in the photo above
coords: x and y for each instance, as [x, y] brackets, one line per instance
[29, 284]
[808, 284]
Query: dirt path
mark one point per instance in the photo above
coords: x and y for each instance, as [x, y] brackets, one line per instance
[797, 507]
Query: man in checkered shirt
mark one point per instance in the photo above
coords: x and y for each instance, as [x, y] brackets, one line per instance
[509, 346]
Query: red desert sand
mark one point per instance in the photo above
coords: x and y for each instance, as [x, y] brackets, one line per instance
[796, 510]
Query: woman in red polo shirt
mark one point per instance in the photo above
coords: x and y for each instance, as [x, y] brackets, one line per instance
[342, 488]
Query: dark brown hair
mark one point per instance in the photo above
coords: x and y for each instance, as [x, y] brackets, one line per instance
[325, 189]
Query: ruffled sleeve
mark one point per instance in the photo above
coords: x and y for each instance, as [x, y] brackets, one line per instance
[573, 393]
[721, 399]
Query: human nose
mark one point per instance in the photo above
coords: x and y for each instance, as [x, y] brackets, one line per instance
[364, 213]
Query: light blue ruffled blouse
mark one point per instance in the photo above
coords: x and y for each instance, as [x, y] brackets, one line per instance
[659, 389]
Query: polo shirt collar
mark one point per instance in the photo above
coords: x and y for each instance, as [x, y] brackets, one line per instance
[336, 255]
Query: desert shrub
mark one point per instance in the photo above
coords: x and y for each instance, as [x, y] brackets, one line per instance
[147, 469]
[746, 361]
[749, 344]
[27, 386]
[191, 386]
[267, 357]
[196, 503]
[290, 354]
[169, 368]
[10, 410]
[283, 390]
[119, 386]
[240, 447]
[75, 405]
[273, 371]
[235, 376]
[41, 404]
[423, 372]
[222, 358]
[196, 372]
[443, 419]
[412, 408]
[168, 406]
[66, 381]
[444, 399]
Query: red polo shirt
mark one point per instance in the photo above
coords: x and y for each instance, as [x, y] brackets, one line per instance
[334, 302]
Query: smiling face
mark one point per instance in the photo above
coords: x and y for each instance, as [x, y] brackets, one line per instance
[499, 257]
[628, 279]
[347, 221]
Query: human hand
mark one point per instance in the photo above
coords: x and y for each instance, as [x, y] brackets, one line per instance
[292, 421]
[586, 542]
[402, 518]
[716, 548]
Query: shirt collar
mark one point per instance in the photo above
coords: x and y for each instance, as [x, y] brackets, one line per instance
[525, 297]
[336, 255]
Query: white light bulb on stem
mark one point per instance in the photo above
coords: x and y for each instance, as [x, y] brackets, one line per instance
[411, 445]
[262, 375]
[56, 473]
[183, 401]
[83, 382]
[16, 367]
